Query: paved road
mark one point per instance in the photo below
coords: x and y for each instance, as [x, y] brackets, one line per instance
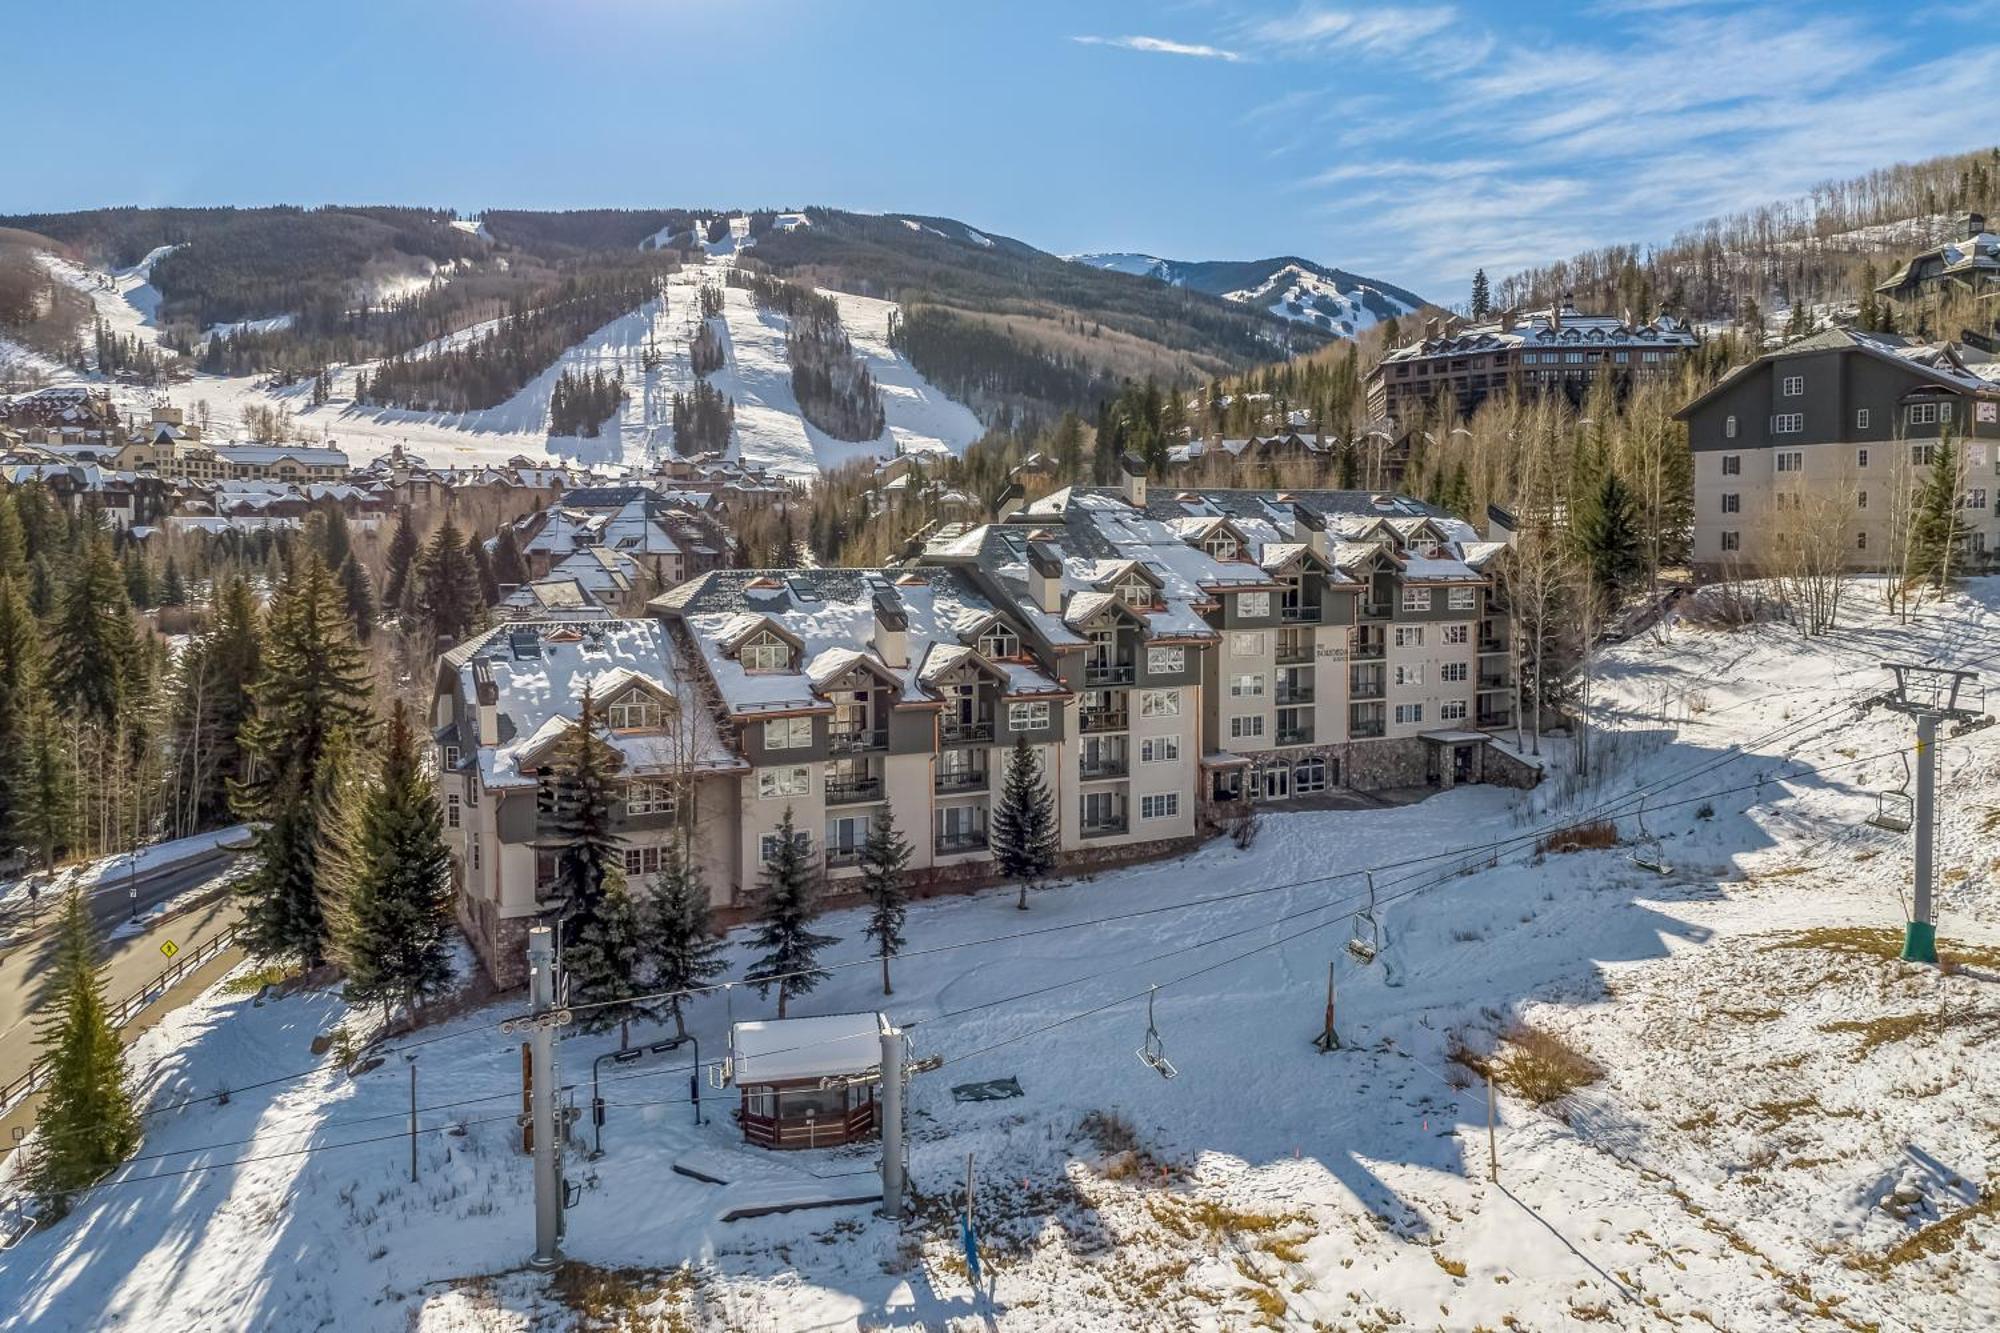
[130, 960]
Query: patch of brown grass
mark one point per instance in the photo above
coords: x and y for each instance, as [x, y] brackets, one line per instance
[1888, 1028]
[1937, 1238]
[1596, 834]
[1542, 1066]
[1455, 1267]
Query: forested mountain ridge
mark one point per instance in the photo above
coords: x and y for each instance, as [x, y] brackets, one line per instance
[1821, 248]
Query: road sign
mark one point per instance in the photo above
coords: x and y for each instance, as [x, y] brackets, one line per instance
[170, 948]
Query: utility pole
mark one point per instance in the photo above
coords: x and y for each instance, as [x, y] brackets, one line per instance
[410, 1057]
[542, 1043]
[892, 1123]
[1930, 695]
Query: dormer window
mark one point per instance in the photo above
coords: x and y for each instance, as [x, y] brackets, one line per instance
[635, 712]
[1136, 593]
[1221, 548]
[999, 642]
[765, 651]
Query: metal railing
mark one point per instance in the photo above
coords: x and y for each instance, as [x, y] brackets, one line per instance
[950, 844]
[1369, 650]
[954, 780]
[853, 742]
[1107, 673]
[1367, 684]
[1093, 771]
[1295, 735]
[1375, 610]
[1492, 680]
[1102, 720]
[184, 964]
[967, 733]
[846, 791]
[1294, 694]
[1304, 612]
[1105, 828]
[1300, 655]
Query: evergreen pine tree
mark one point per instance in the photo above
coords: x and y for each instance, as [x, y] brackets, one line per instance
[883, 858]
[334, 543]
[448, 584]
[13, 539]
[41, 778]
[489, 586]
[1936, 528]
[87, 1123]
[95, 652]
[1608, 536]
[20, 669]
[359, 597]
[311, 696]
[787, 908]
[1024, 823]
[394, 899]
[173, 590]
[138, 577]
[599, 923]
[677, 937]
[510, 567]
[403, 552]
[1482, 296]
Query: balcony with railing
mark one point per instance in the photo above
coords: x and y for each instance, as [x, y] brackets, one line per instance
[1295, 687]
[962, 731]
[1367, 682]
[1294, 651]
[1105, 671]
[853, 790]
[842, 740]
[840, 857]
[1496, 717]
[1300, 612]
[1366, 722]
[1493, 680]
[1376, 610]
[956, 842]
[962, 779]
[1097, 721]
[1101, 767]
[1295, 726]
[1489, 646]
[1369, 649]
[1105, 826]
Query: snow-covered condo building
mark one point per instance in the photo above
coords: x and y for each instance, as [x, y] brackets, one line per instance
[1454, 366]
[1170, 660]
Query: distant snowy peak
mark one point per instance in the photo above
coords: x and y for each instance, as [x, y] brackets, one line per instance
[1329, 299]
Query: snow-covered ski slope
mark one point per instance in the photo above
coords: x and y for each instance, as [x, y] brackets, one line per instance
[1726, 1172]
[769, 426]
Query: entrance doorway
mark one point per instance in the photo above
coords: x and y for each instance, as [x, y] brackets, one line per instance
[1277, 783]
[1461, 763]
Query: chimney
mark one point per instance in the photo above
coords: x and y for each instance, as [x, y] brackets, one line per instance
[1500, 525]
[892, 629]
[1011, 500]
[1975, 223]
[1045, 576]
[1135, 479]
[1556, 313]
[1311, 528]
[487, 696]
[1507, 320]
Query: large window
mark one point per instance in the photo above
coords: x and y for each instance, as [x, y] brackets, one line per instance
[1787, 423]
[1247, 643]
[634, 712]
[1464, 599]
[765, 651]
[1221, 547]
[1136, 593]
[999, 641]
[1028, 716]
[649, 796]
[1452, 710]
[1166, 661]
[1452, 672]
[792, 780]
[1457, 634]
[788, 733]
[1159, 749]
[1416, 599]
[451, 815]
[1790, 460]
[1409, 714]
[1794, 386]
[1246, 728]
[642, 861]
[1922, 454]
[1249, 685]
[1255, 604]
[1159, 703]
[1163, 806]
[1928, 414]
[846, 836]
[771, 844]
[1732, 465]
[1409, 636]
[1410, 673]
[1309, 777]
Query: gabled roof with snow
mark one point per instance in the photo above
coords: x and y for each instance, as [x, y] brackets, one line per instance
[538, 672]
[263, 455]
[1559, 327]
[831, 611]
[779, 1050]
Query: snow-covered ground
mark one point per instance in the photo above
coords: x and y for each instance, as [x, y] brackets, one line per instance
[769, 426]
[1726, 1172]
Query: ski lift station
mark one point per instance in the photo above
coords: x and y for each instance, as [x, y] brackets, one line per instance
[808, 1082]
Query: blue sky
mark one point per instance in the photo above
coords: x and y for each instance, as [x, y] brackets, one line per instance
[1411, 141]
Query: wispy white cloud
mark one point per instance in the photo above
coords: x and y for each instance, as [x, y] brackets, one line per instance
[1163, 46]
[1384, 29]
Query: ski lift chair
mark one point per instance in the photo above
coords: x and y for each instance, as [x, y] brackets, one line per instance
[1366, 941]
[1895, 810]
[1152, 1051]
[1648, 854]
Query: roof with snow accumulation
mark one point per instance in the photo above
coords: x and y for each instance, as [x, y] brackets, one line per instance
[1559, 327]
[535, 675]
[777, 1050]
[1947, 364]
[265, 454]
[1972, 258]
[835, 619]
